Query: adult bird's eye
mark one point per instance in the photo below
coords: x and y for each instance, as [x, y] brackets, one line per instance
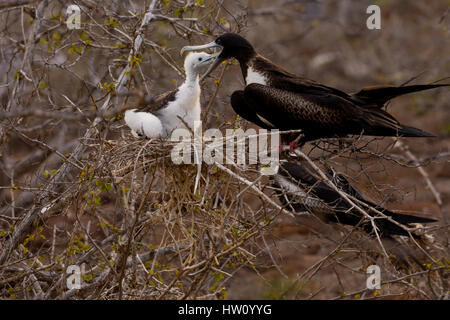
[199, 59]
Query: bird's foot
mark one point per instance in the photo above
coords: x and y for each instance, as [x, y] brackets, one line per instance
[293, 145]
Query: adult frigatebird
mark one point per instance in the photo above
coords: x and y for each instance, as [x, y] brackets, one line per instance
[276, 98]
[158, 116]
[300, 188]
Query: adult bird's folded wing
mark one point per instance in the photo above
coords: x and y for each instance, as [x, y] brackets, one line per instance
[292, 110]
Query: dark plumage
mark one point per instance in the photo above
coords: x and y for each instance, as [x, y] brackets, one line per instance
[156, 103]
[299, 188]
[276, 98]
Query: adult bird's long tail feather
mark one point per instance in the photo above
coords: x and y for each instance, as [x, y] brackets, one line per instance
[382, 94]
[381, 123]
[390, 228]
[406, 218]
[406, 131]
[387, 227]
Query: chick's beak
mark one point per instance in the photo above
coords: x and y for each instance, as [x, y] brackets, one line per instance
[218, 60]
[211, 57]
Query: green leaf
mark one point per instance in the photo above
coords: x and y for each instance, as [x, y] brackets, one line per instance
[97, 200]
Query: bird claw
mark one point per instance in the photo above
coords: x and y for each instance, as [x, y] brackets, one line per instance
[291, 147]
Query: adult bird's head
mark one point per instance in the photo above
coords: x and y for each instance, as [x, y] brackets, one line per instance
[233, 46]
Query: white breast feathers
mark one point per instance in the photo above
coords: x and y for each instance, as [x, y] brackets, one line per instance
[143, 124]
[186, 106]
[255, 77]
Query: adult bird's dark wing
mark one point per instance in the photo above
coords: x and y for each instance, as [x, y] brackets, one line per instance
[283, 79]
[321, 114]
[337, 208]
[367, 97]
[240, 106]
[291, 110]
[379, 95]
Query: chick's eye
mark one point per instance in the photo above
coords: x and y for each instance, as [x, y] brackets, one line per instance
[199, 59]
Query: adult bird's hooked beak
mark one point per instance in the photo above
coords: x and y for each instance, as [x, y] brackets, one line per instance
[206, 46]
